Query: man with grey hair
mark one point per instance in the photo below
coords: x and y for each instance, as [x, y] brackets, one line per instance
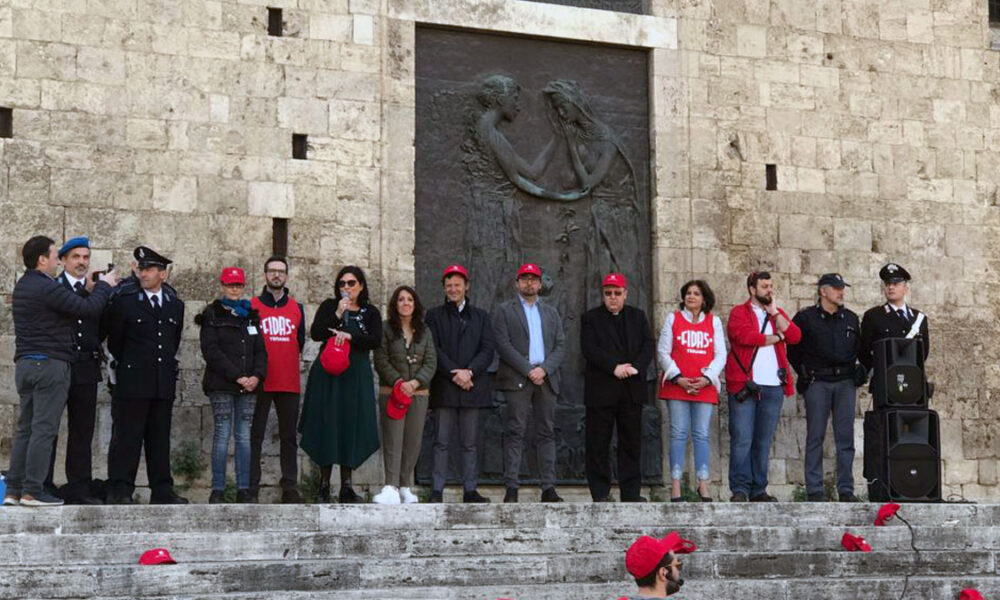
[826, 362]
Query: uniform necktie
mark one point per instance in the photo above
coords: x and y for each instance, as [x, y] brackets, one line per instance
[902, 314]
[156, 304]
[78, 286]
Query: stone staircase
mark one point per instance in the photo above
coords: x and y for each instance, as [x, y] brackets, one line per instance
[526, 552]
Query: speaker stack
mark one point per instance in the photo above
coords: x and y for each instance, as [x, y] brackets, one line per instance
[902, 435]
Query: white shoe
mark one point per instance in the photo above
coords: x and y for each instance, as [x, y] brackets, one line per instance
[388, 495]
[11, 500]
[407, 496]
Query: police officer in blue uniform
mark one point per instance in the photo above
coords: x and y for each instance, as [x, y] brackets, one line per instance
[85, 374]
[143, 324]
[895, 318]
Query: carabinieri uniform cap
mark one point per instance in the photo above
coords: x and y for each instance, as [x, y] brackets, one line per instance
[77, 242]
[147, 257]
[834, 280]
[893, 273]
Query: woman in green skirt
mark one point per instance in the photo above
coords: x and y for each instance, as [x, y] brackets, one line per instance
[338, 423]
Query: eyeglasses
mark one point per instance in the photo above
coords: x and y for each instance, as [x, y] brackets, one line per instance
[347, 283]
[275, 271]
[615, 293]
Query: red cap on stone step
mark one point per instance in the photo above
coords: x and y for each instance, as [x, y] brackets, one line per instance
[854, 543]
[970, 594]
[886, 512]
[157, 556]
[647, 552]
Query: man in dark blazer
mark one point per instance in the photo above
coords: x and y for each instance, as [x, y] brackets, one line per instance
[531, 345]
[618, 347]
[85, 374]
[895, 318]
[463, 338]
[144, 326]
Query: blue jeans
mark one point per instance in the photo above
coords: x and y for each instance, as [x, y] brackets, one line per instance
[751, 430]
[227, 408]
[689, 418]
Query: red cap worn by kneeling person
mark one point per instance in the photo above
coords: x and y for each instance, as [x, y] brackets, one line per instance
[335, 359]
[646, 552]
[156, 556]
[231, 275]
[614, 280]
[398, 403]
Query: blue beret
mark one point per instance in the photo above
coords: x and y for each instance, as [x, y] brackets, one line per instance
[77, 242]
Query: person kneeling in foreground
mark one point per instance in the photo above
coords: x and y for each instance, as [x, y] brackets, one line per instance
[655, 565]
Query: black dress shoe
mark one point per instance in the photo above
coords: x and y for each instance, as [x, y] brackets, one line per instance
[848, 497]
[171, 498]
[120, 499]
[602, 499]
[677, 499]
[437, 497]
[474, 497]
[347, 495]
[217, 497]
[705, 498]
[550, 495]
[289, 496]
[738, 497]
[244, 497]
[324, 494]
[85, 501]
[635, 499]
[765, 497]
[510, 497]
[817, 497]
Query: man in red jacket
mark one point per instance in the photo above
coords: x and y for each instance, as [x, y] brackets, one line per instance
[757, 379]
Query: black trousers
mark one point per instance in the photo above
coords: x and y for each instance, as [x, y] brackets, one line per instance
[138, 423]
[600, 425]
[81, 409]
[286, 406]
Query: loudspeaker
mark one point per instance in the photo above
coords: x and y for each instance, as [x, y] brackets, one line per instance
[899, 380]
[903, 455]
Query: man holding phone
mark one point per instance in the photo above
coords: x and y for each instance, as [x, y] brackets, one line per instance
[757, 379]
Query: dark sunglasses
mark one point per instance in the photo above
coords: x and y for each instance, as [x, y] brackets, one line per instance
[347, 283]
[610, 293]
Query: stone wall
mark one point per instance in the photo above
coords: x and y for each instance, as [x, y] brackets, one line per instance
[170, 123]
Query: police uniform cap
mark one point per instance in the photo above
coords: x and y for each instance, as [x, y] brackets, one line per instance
[77, 242]
[147, 257]
[832, 279]
[893, 273]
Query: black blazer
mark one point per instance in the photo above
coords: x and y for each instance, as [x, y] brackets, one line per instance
[880, 323]
[144, 344]
[603, 351]
[463, 341]
[86, 365]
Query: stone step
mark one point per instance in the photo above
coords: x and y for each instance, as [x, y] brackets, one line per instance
[919, 588]
[372, 518]
[362, 572]
[125, 548]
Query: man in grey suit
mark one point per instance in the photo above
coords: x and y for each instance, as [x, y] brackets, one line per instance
[531, 345]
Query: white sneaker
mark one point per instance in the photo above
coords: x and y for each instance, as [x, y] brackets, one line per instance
[407, 496]
[388, 495]
[11, 500]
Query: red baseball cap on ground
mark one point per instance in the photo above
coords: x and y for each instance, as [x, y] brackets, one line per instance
[232, 275]
[854, 543]
[647, 552]
[970, 594]
[614, 280]
[453, 270]
[157, 556]
[398, 403]
[529, 269]
[335, 359]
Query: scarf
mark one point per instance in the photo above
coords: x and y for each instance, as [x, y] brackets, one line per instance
[240, 308]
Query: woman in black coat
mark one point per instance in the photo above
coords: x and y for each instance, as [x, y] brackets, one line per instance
[235, 366]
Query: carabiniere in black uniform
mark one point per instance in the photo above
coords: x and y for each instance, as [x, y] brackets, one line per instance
[143, 337]
[886, 320]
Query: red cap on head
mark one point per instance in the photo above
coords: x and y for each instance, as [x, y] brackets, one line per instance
[455, 270]
[398, 403]
[156, 556]
[647, 552]
[529, 269]
[970, 594]
[614, 280]
[854, 543]
[335, 359]
[232, 275]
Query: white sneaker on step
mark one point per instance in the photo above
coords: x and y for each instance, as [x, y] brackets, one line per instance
[407, 496]
[388, 495]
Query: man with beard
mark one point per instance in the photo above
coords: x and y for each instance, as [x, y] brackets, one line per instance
[655, 566]
[283, 320]
[85, 374]
[827, 365]
[757, 379]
